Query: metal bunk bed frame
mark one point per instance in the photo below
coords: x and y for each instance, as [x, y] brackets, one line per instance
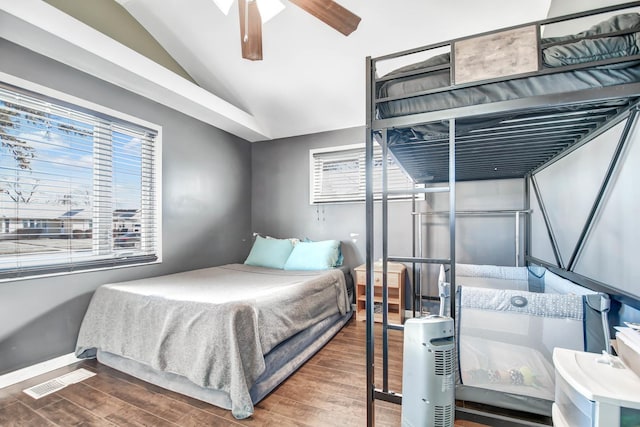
[593, 112]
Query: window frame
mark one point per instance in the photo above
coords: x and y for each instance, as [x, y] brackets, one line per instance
[362, 171]
[61, 98]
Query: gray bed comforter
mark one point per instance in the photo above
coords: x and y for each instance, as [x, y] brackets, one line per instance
[212, 326]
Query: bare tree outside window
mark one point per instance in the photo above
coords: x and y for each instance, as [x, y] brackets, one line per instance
[77, 186]
[19, 148]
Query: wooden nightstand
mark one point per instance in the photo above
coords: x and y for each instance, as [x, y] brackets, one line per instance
[395, 286]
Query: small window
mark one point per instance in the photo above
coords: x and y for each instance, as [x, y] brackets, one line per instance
[338, 174]
[77, 186]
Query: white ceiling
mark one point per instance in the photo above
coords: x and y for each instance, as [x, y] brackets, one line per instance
[312, 78]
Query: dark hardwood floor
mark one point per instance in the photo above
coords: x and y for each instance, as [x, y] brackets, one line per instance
[328, 390]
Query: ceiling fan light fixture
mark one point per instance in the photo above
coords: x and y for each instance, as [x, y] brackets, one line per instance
[269, 9]
[224, 5]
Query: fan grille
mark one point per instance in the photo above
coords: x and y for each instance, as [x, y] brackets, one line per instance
[444, 362]
[443, 416]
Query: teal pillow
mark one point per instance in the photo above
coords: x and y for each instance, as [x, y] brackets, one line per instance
[340, 256]
[314, 255]
[270, 253]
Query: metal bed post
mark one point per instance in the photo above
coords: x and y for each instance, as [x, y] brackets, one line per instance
[413, 254]
[416, 267]
[517, 248]
[452, 216]
[369, 246]
[385, 254]
[527, 227]
[420, 255]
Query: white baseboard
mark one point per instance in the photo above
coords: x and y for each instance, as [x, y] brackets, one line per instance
[34, 370]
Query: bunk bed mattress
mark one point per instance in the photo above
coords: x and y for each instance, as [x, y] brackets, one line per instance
[211, 326]
[614, 38]
[548, 84]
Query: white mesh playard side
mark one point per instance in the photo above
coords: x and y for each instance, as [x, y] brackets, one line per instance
[508, 321]
[506, 338]
[492, 276]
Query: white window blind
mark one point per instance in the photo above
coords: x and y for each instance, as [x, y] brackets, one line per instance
[77, 187]
[338, 174]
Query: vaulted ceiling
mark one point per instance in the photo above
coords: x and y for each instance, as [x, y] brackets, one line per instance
[312, 78]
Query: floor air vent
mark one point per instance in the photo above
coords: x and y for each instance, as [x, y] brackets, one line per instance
[51, 386]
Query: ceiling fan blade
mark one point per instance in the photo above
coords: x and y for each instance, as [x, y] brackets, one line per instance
[331, 13]
[250, 30]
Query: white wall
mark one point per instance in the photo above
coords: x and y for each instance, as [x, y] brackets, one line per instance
[568, 189]
[565, 7]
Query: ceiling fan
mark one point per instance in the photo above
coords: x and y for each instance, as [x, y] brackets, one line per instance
[254, 12]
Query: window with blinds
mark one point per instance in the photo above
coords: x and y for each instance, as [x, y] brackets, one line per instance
[77, 187]
[338, 174]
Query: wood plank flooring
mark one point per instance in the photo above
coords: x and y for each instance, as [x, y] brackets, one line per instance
[329, 390]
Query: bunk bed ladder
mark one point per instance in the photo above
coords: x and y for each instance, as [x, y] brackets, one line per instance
[384, 393]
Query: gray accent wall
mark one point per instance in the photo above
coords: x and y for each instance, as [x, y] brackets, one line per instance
[280, 198]
[206, 208]
[281, 208]
[490, 238]
[280, 194]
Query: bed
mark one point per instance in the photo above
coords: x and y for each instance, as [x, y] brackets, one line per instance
[226, 335]
[594, 44]
[578, 77]
[504, 105]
